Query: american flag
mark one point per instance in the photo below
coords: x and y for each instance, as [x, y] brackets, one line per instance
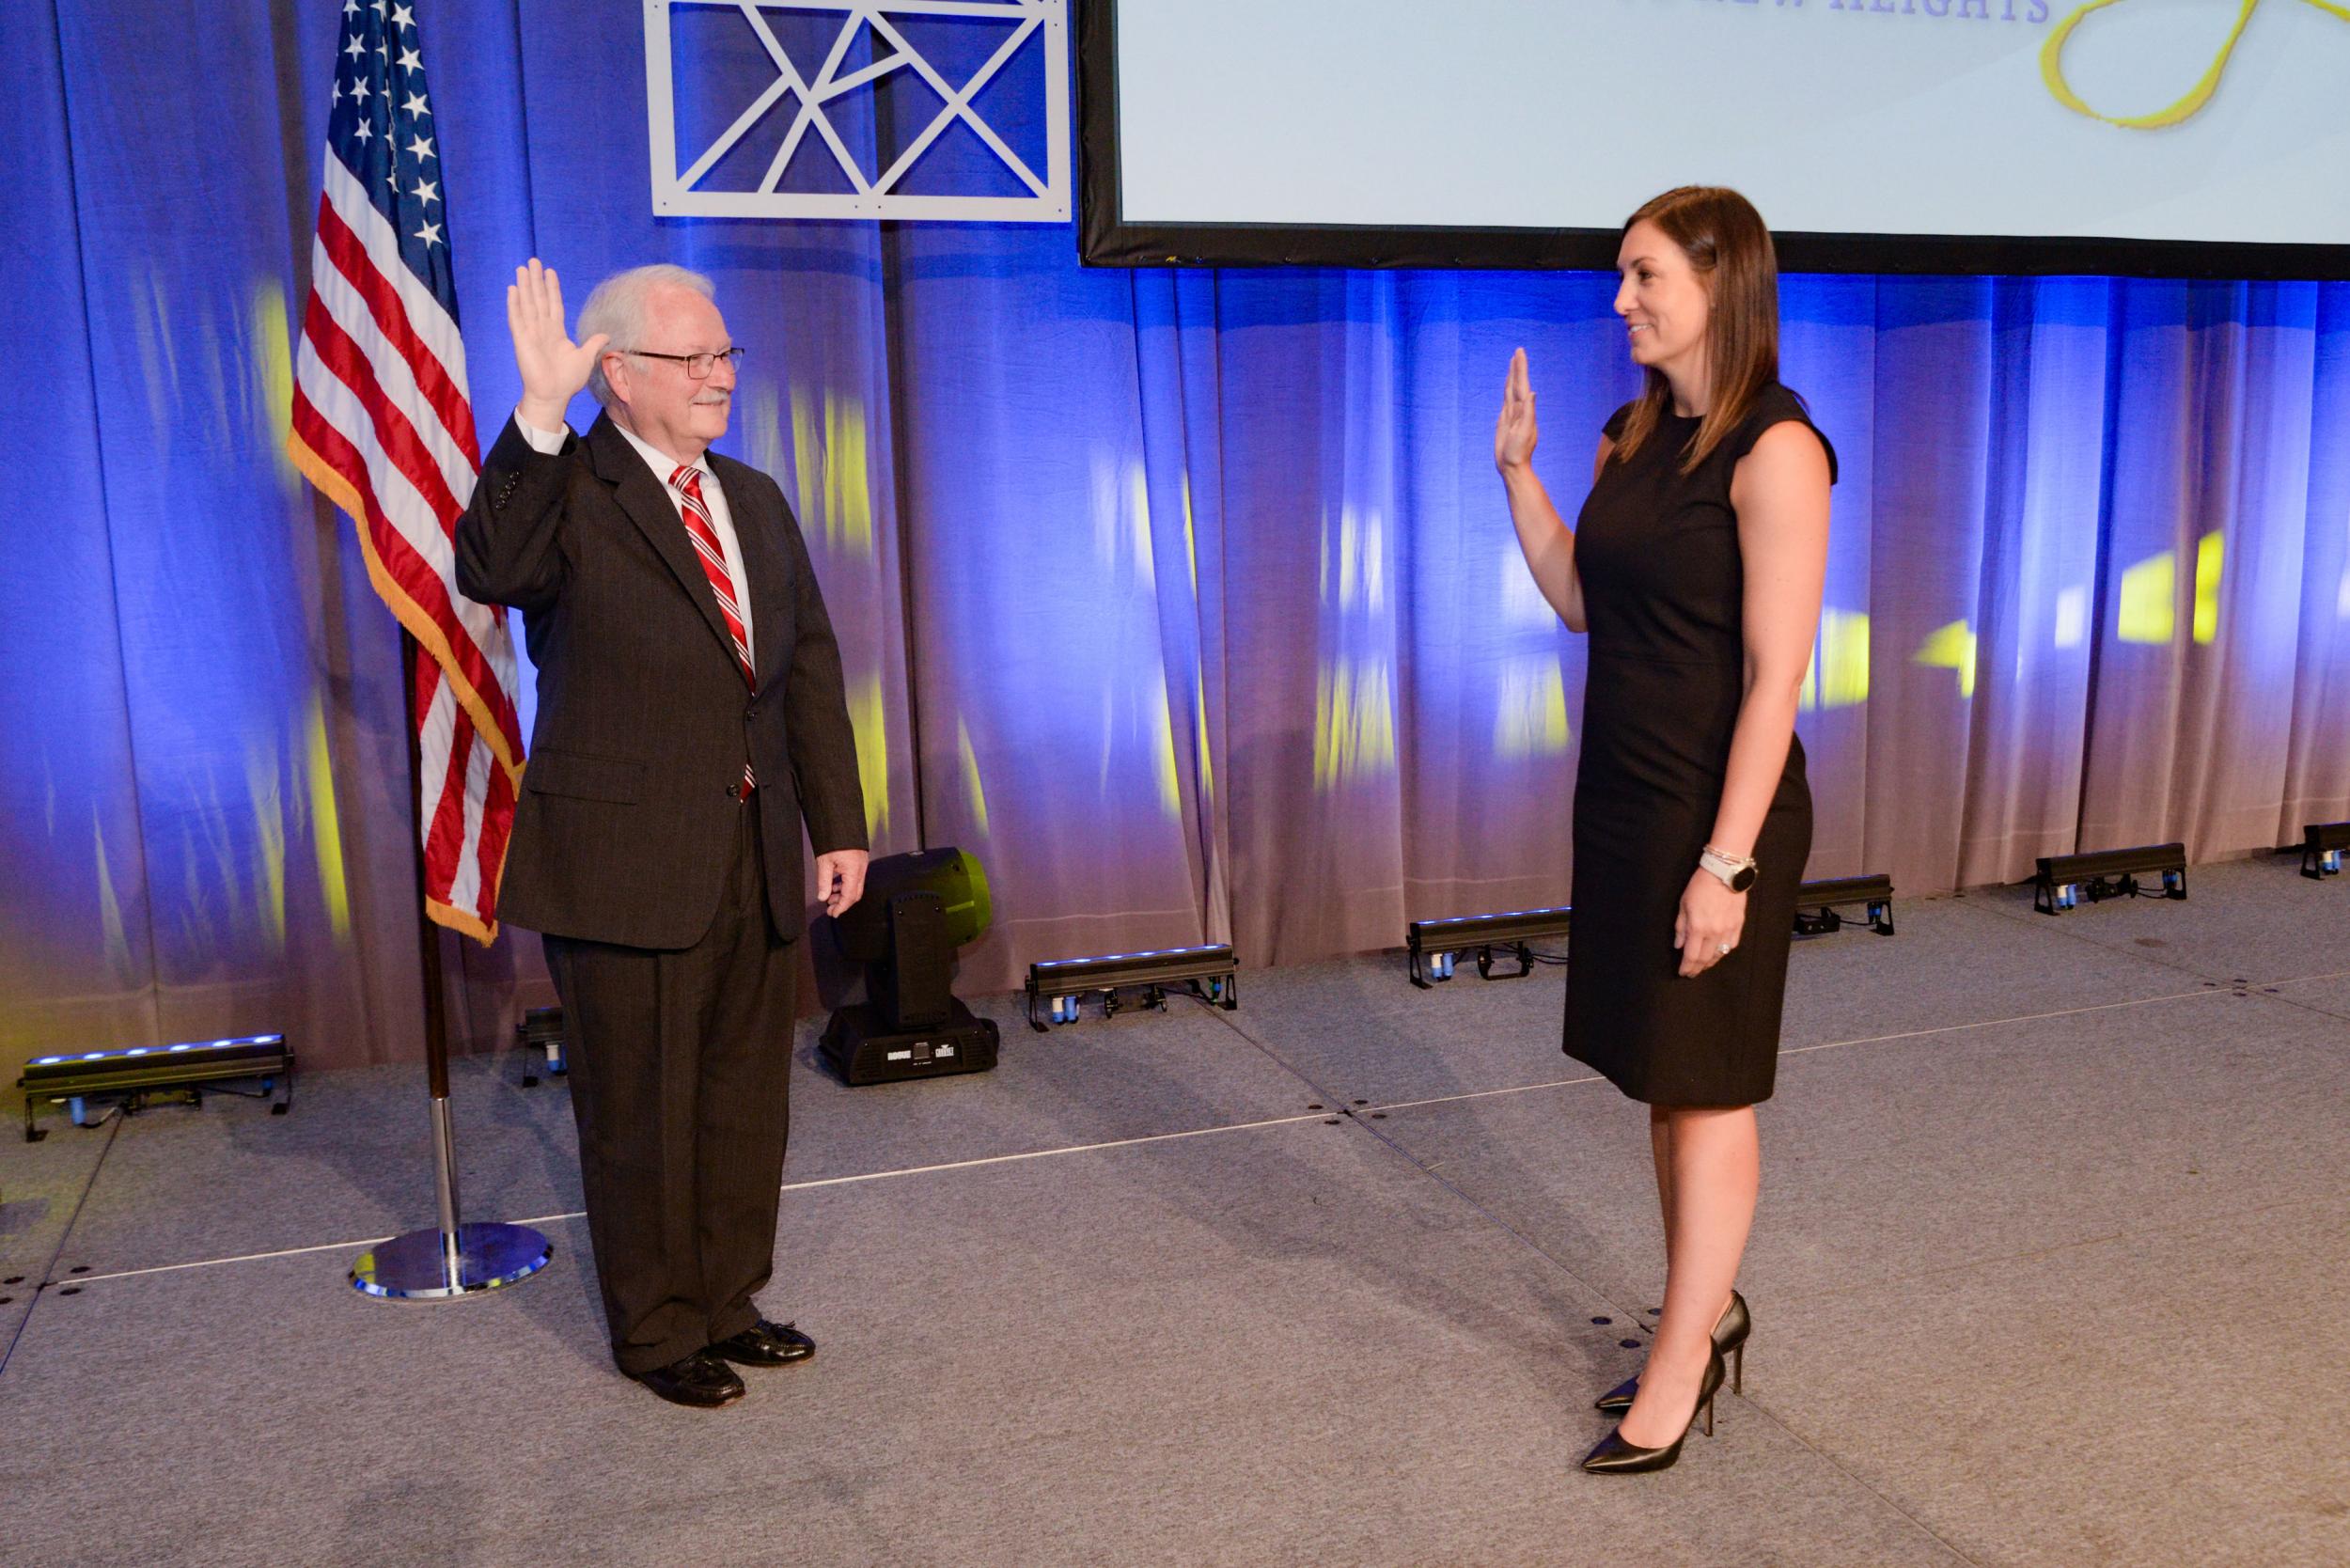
[382, 425]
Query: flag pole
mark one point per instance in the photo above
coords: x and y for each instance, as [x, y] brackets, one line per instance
[452, 1258]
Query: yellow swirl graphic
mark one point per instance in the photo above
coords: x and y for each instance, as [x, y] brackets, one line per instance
[2052, 68]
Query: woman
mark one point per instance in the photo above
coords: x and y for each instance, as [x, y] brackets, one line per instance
[1696, 566]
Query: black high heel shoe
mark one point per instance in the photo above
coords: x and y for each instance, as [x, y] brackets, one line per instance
[1729, 1337]
[1612, 1455]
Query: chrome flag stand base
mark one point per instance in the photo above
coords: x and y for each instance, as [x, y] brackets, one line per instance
[417, 1267]
[451, 1259]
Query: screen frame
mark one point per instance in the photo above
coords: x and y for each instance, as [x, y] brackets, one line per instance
[1106, 238]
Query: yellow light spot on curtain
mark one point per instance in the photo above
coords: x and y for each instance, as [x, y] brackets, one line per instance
[1360, 551]
[1191, 540]
[760, 416]
[2072, 618]
[1530, 715]
[1522, 606]
[273, 369]
[265, 793]
[1138, 523]
[1120, 517]
[110, 905]
[1838, 676]
[159, 351]
[1354, 723]
[1169, 769]
[2149, 592]
[974, 793]
[2210, 553]
[1952, 647]
[869, 716]
[1207, 758]
[829, 454]
[326, 834]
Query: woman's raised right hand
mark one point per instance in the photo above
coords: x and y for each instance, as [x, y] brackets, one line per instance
[554, 367]
[1513, 431]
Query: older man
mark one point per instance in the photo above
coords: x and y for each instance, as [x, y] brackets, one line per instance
[690, 715]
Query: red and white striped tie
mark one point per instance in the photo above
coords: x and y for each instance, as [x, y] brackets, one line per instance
[687, 482]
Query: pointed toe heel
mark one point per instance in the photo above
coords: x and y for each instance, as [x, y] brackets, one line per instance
[1612, 1455]
[1729, 1337]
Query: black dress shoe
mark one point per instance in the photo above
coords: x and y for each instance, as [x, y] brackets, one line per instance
[699, 1380]
[765, 1344]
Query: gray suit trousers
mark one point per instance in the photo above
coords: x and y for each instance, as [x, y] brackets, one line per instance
[681, 1065]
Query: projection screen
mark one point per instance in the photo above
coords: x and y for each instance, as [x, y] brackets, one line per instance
[2195, 137]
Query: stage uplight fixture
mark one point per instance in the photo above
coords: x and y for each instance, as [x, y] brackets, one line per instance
[1209, 972]
[1431, 946]
[538, 1034]
[1873, 893]
[2065, 880]
[2321, 845]
[74, 1078]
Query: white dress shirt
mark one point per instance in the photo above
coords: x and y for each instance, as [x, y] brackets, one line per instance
[713, 502]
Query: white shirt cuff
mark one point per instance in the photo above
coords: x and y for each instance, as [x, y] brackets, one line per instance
[545, 441]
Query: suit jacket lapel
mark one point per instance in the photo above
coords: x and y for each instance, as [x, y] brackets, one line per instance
[766, 565]
[646, 500]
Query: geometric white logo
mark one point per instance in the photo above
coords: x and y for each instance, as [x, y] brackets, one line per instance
[804, 105]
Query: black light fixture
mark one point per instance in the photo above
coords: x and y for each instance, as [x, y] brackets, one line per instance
[131, 1074]
[2065, 880]
[2321, 845]
[538, 1034]
[1873, 893]
[1431, 946]
[917, 910]
[1209, 972]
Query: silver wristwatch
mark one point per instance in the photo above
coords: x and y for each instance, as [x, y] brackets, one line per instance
[1737, 876]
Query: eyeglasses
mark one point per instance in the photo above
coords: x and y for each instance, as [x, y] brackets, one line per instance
[697, 366]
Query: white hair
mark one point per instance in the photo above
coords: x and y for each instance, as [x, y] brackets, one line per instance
[617, 309]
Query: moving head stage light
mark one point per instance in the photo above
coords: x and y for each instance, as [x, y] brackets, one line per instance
[917, 910]
[2065, 880]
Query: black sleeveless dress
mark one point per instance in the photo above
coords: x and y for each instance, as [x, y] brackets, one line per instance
[1663, 594]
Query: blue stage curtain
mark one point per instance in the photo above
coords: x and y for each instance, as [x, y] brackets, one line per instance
[1186, 600]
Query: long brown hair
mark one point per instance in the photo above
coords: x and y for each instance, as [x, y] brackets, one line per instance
[1725, 240]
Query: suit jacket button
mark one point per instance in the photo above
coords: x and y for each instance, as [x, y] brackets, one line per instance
[734, 791]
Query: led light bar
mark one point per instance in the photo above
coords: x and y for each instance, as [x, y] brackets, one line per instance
[2065, 880]
[1875, 892]
[1210, 971]
[1433, 945]
[78, 1074]
[539, 1032]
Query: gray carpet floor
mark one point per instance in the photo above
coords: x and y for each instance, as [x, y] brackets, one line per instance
[2046, 1273]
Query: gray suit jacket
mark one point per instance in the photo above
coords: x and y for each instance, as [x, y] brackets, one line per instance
[631, 797]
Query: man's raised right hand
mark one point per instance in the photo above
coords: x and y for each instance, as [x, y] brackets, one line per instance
[554, 367]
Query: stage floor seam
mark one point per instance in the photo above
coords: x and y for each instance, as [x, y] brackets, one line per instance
[1591, 1288]
[2013, 1184]
[47, 1280]
[1337, 1103]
